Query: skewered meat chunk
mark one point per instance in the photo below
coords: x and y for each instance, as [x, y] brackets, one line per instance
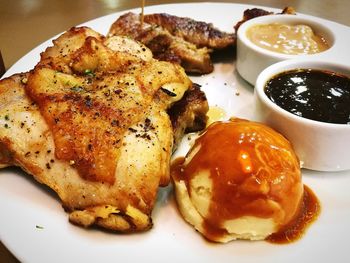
[175, 39]
[199, 33]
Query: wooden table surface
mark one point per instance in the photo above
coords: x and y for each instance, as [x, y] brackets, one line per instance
[25, 24]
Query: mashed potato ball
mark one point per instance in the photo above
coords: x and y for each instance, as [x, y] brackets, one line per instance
[240, 180]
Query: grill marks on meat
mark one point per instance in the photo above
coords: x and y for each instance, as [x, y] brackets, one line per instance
[164, 46]
[199, 33]
[175, 39]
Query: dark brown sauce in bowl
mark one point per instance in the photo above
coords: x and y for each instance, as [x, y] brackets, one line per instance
[318, 95]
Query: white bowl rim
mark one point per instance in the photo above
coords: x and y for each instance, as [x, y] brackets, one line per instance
[241, 33]
[298, 63]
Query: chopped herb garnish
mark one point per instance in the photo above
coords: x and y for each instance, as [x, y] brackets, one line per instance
[7, 117]
[89, 72]
[39, 227]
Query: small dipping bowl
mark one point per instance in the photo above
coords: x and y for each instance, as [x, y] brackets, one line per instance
[252, 59]
[320, 146]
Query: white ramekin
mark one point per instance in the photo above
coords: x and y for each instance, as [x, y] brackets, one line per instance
[252, 59]
[320, 146]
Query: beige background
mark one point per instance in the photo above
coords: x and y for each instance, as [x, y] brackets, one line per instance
[26, 23]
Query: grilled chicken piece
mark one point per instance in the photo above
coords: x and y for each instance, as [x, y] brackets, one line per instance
[90, 121]
[189, 113]
[190, 46]
[256, 12]
[163, 45]
[196, 32]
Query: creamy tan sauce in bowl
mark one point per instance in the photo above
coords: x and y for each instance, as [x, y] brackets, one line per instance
[287, 39]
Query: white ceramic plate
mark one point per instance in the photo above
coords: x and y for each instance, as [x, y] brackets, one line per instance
[35, 228]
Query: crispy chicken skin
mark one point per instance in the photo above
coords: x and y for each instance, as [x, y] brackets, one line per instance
[164, 46]
[196, 32]
[189, 113]
[175, 39]
[90, 121]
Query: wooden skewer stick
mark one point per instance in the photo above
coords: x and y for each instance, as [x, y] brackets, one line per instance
[142, 11]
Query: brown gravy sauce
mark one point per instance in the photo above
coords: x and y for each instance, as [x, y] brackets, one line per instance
[309, 211]
[233, 194]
